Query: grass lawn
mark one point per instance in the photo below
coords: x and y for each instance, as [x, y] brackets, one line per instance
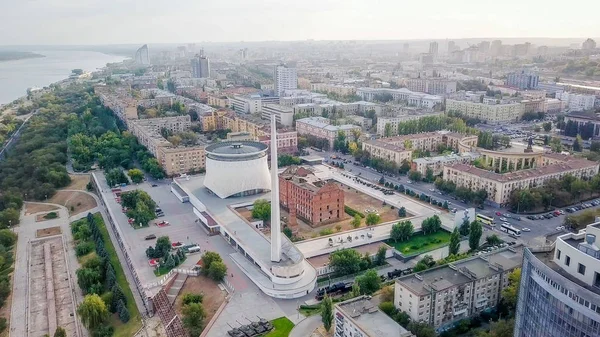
[135, 322]
[282, 327]
[420, 243]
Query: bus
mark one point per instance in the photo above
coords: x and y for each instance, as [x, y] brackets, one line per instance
[506, 227]
[485, 219]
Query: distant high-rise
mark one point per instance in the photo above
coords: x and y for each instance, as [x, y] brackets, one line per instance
[284, 78]
[142, 56]
[484, 46]
[588, 44]
[406, 48]
[451, 46]
[522, 80]
[200, 66]
[496, 48]
[433, 48]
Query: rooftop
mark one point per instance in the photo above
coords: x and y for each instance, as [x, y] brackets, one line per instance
[555, 168]
[463, 271]
[363, 311]
[236, 147]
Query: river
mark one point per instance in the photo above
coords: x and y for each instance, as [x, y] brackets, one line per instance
[17, 76]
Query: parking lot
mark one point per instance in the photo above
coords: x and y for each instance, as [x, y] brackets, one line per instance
[182, 227]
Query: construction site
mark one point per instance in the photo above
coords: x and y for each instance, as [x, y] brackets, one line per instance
[51, 302]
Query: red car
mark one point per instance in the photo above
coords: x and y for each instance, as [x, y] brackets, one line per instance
[498, 214]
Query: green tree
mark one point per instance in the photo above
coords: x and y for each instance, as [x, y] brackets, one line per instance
[327, 312]
[217, 271]
[510, 294]
[208, 259]
[425, 263]
[401, 231]
[454, 246]
[547, 126]
[402, 212]
[388, 308]
[415, 176]
[380, 257]
[369, 282]
[556, 145]
[387, 132]
[136, 175]
[163, 245]
[60, 332]
[9, 217]
[288, 232]
[92, 311]
[421, 329]
[7, 237]
[429, 175]
[578, 144]
[493, 239]
[193, 318]
[345, 261]
[123, 312]
[261, 210]
[356, 221]
[475, 232]
[372, 219]
[501, 328]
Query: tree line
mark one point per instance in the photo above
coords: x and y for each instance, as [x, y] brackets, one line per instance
[561, 192]
[97, 278]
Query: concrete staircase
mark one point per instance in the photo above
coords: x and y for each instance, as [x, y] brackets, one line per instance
[175, 288]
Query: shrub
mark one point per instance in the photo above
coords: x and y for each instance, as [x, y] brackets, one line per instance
[326, 231]
[388, 308]
[352, 212]
[84, 248]
[51, 215]
[192, 298]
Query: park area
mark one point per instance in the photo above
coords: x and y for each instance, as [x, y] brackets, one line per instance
[420, 243]
[212, 295]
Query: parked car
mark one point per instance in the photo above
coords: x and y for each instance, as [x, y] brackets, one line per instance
[530, 217]
[518, 218]
[560, 228]
[154, 185]
[150, 237]
[506, 215]
[525, 229]
[570, 210]
[504, 219]
[498, 214]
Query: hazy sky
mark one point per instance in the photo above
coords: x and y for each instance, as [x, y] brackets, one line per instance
[164, 21]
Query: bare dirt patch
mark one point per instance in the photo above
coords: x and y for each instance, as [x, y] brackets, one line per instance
[47, 216]
[78, 182]
[213, 295]
[33, 207]
[40, 233]
[75, 202]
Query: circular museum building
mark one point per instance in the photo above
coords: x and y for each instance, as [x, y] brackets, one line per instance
[235, 169]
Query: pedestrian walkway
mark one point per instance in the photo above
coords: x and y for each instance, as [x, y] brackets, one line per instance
[175, 288]
[306, 326]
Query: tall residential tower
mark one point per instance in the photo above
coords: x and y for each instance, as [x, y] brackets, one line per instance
[284, 78]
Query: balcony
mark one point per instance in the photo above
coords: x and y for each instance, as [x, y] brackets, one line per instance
[460, 310]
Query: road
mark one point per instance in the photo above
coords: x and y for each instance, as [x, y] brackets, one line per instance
[539, 228]
[14, 136]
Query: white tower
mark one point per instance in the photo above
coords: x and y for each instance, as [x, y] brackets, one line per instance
[275, 218]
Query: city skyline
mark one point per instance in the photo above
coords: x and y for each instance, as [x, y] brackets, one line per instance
[68, 22]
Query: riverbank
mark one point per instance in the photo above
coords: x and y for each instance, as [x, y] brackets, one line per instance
[18, 75]
[6, 56]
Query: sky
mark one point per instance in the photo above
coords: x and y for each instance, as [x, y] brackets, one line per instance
[64, 22]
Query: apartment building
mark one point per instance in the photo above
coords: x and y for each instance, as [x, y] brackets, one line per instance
[213, 120]
[218, 101]
[361, 317]
[444, 295]
[387, 151]
[417, 99]
[246, 104]
[405, 117]
[560, 287]
[284, 78]
[119, 100]
[432, 86]
[320, 128]
[522, 80]
[436, 164]
[491, 113]
[309, 198]
[500, 186]
[339, 89]
[283, 115]
[399, 148]
[173, 159]
[287, 140]
[577, 102]
[178, 160]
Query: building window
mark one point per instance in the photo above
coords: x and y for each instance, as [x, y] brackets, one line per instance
[596, 279]
[581, 269]
[558, 254]
[567, 260]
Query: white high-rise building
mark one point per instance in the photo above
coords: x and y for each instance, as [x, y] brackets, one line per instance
[142, 56]
[284, 78]
[200, 66]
